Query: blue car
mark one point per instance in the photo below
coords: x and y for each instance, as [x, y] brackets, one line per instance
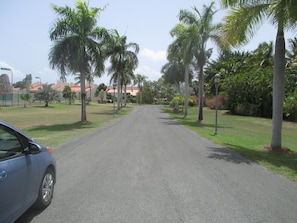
[27, 174]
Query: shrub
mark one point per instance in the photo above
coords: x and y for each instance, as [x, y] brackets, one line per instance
[211, 102]
[290, 107]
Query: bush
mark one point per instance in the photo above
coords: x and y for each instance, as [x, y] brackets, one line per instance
[211, 102]
[290, 107]
[192, 101]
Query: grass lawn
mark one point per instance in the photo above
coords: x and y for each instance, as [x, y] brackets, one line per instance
[246, 135]
[58, 123]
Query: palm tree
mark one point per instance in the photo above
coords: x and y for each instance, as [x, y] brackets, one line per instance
[173, 73]
[46, 94]
[182, 48]
[139, 81]
[241, 23]
[202, 30]
[78, 45]
[127, 79]
[121, 58]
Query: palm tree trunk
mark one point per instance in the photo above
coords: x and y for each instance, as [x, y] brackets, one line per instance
[278, 90]
[200, 96]
[119, 93]
[125, 95]
[83, 97]
[186, 90]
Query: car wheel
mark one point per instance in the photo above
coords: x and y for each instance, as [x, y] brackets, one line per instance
[46, 190]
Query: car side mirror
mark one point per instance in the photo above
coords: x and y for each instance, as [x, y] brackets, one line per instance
[32, 148]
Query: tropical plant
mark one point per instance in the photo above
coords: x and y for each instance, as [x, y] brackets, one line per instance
[240, 26]
[25, 98]
[139, 80]
[123, 61]
[290, 106]
[202, 30]
[79, 46]
[68, 94]
[292, 52]
[178, 100]
[182, 48]
[46, 94]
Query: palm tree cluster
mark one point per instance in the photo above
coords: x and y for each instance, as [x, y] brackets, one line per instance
[81, 48]
[188, 51]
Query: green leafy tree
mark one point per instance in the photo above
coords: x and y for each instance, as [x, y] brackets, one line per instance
[241, 23]
[46, 94]
[79, 46]
[25, 98]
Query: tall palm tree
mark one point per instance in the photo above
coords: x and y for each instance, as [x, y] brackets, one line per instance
[121, 58]
[241, 24]
[78, 44]
[139, 81]
[202, 31]
[182, 48]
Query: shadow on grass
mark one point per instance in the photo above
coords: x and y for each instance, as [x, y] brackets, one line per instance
[61, 127]
[274, 159]
[102, 113]
[228, 155]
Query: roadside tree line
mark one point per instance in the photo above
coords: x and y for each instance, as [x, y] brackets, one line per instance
[188, 54]
[81, 48]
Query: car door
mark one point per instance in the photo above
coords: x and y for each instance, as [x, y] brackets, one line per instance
[13, 175]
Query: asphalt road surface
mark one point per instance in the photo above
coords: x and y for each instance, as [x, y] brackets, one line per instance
[146, 167]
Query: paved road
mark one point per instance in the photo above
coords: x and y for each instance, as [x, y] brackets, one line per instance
[146, 167]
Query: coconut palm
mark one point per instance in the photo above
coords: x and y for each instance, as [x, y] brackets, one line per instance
[202, 30]
[241, 24]
[121, 59]
[79, 46]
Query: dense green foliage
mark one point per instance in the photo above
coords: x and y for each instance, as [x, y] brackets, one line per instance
[246, 81]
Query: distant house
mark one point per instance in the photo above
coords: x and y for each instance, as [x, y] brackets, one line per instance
[90, 90]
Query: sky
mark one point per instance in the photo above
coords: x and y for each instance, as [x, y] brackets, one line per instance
[25, 27]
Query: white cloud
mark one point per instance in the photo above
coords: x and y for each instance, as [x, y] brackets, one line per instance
[153, 55]
[151, 73]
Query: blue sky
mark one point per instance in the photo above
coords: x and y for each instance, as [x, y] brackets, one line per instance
[25, 25]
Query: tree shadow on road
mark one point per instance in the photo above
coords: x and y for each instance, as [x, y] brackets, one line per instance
[227, 155]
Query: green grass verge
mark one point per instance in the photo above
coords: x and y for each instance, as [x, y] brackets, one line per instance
[246, 135]
[58, 123]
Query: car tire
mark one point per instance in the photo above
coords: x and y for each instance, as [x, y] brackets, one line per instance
[46, 190]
